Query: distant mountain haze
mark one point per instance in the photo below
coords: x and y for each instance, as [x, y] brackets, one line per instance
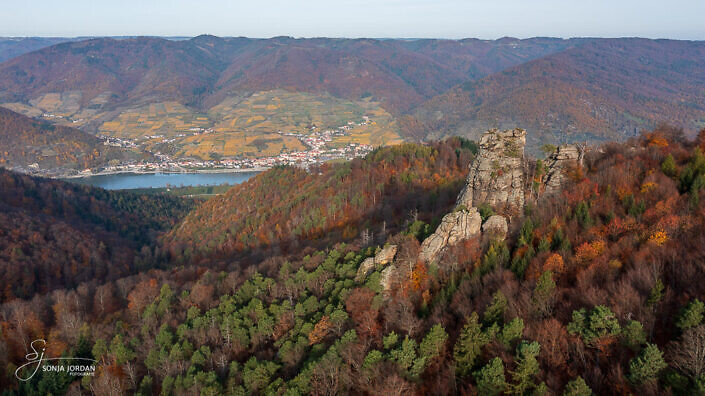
[605, 89]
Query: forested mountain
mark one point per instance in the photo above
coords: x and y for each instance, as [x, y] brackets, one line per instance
[601, 90]
[25, 141]
[190, 71]
[596, 289]
[55, 234]
[563, 90]
[11, 47]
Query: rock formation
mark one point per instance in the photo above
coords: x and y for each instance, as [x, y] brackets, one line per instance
[557, 163]
[388, 275]
[384, 257]
[496, 226]
[455, 227]
[497, 174]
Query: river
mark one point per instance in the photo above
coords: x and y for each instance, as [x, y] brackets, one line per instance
[125, 181]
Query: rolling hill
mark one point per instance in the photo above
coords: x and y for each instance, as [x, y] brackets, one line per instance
[24, 142]
[11, 47]
[603, 89]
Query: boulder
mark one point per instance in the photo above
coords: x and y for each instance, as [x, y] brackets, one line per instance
[496, 175]
[564, 158]
[384, 257]
[455, 227]
[496, 226]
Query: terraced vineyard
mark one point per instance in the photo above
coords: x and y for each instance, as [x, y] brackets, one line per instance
[253, 125]
[162, 118]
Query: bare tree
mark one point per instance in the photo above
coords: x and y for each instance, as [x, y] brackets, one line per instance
[581, 151]
[688, 355]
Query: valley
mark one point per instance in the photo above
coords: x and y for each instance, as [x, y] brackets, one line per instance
[358, 207]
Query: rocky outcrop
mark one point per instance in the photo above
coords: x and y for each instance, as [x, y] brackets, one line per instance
[564, 158]
[388, 276]
[384, 257]
[496, 226]
[497, 174]
[455, 227]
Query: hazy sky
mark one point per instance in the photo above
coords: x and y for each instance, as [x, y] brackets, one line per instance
[681, 19]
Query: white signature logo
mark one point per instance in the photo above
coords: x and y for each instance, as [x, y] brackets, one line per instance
[37, 357]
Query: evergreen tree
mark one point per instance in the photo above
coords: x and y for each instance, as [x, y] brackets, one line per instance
[577, 387]
[582, 214]
[656, 293]
[496, 310]
[490, 379]
[511, 331]
[591, 326]
[527, 367]
[668, 166]
[691, 315]
[647, 366]
[469, 345]
[542, 297]
[633, 335]
[432, 345]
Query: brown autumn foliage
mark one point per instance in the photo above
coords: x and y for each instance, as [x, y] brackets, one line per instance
[561, 92]
[55, 234]
[263, 316]
[24, 141]
[331, 202]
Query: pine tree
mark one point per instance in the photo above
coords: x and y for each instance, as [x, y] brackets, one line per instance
[432, 345]
[591, 326]
[527, 367]
[656, 293]
[490, 378]
[647, 366]
[469, 345]
[577, 387]
[511, 331]
[542, 297]
[668, 166]
[633, 335]
[495, 311]
[582, 213]
[691, 315]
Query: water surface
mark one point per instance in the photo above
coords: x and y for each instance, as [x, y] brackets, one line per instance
[124, 181]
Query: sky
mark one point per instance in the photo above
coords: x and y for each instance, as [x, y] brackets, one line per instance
[487, 19]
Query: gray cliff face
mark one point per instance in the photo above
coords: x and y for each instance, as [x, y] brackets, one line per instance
[497, 174]
[496, 226]
[455, 227]
[564, 158]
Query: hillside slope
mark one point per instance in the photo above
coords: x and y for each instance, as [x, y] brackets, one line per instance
[11, 47]
[286, 209]
[603, 89]
[24, 141]
[597, 289]
[56, 234]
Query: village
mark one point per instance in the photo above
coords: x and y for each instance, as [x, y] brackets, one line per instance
[318, 143]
